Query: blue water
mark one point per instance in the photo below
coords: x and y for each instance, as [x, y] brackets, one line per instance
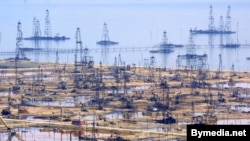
[132, 23]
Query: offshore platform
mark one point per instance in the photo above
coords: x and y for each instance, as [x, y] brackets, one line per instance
[105, 37]
[193, 61]
[164, 46]
[47, 33]
[223, 29]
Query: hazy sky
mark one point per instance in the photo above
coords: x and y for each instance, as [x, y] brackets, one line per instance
[136, 1]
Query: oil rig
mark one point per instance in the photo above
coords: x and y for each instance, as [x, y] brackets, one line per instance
[47, 33]
[193, 61]
[20, 49]
[164, 46]
[230, 43]
[223, 29]
[105, 37]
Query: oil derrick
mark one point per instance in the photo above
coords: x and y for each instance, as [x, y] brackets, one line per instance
[151, 68]
[118, 62]
[62, 84]
[211, 20]
[209, 116]
[228, 19]
[218, 72]
[221, 25]
[145, 63]
[37, 86]
[77, 65]
[196, 119]
[83, 63]
[164, 38]
[16, 87]
[125, 80]
[228, 24]
[165, 107]
[193, 61]
[99, 86]
[105, 37]
[118, 68]
[105, 33]
[47, 31]
[19, 42]
[191, 53]
[36, 28]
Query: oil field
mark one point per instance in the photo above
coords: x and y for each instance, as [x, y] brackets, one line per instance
[84, 99]
[120, 102]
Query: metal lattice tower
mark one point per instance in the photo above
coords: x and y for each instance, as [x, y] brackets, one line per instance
[78, 44]
[77, 64]
[19, 38]
[191, 45]
[47, 32]
[193, 61]
[85, 58]
[221, 24]
[36, 28]
[165, 38]
[228, 19]
[152, 62]
[145, 63]
[191, 53]
[211, 19]
[105, 33]
[19, 41]
[120, 63]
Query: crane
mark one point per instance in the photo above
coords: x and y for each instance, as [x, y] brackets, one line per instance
[11, 132]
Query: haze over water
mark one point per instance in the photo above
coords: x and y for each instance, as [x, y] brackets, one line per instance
[132, 23]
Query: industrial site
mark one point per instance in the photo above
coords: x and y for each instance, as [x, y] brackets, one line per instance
[88, 100]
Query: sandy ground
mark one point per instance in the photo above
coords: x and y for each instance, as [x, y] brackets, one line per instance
[130, 104]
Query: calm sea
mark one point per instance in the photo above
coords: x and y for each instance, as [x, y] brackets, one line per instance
[137, 24]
